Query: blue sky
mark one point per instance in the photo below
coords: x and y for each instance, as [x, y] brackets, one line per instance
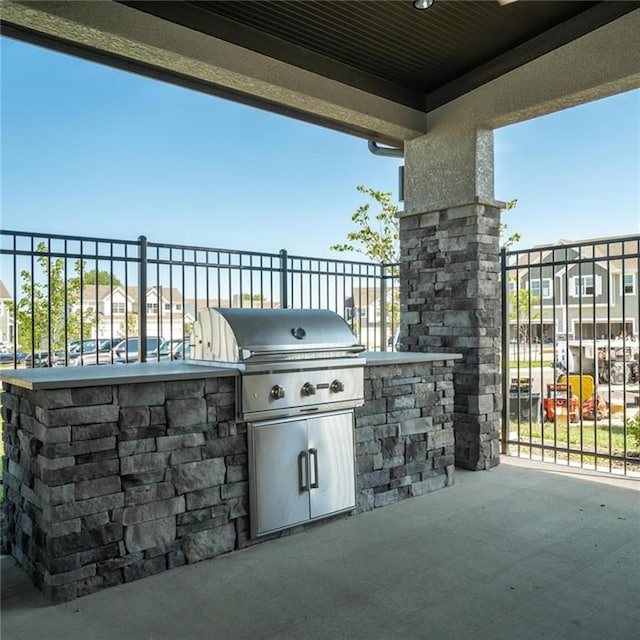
[88, 150]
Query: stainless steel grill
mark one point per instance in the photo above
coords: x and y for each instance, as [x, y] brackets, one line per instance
[292, 361]
[300, 381]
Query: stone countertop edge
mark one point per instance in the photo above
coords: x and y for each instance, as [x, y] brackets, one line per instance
[380, 358]
[113, 374]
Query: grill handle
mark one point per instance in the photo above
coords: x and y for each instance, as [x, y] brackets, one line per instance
[303, 471]
[313, 453]
[250, 353]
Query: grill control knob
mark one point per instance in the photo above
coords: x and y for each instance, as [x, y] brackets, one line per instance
[277, 392]
[308, 389]
[337, 386]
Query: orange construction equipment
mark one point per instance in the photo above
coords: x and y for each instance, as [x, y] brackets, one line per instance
[594, 407]
[560, 403]
[582, 384]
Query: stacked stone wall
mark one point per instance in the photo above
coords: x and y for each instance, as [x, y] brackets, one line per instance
[404, 433]
[451, 302]
[105, 485]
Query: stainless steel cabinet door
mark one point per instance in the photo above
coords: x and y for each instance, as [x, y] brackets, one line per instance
[279, 494]
[331, 464]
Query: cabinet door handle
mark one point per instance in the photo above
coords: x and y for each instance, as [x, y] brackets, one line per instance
[314, 453]
[303, 471]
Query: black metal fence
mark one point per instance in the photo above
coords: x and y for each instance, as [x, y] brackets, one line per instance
[571, 317]
[571, 383]
[63, 296]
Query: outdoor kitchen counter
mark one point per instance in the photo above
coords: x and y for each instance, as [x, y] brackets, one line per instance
[111, 374]
[72, 377]
[116, 472]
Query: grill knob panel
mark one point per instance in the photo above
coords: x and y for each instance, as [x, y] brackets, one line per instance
[308, 389]
[337, 386]
[277, 392]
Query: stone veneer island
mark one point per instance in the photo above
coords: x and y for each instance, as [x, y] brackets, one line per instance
[114, 473]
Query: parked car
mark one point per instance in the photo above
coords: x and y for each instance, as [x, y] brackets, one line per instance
[37, 359]
[127, 350]
[94, 351]
[182, 351]
[59, 358]
[7, 357]
[162, 353]
[171, 350]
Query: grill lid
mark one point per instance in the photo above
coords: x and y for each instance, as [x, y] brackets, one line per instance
[238, 335]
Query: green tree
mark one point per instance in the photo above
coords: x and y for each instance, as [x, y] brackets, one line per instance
[130, 326]
[514, 237]
[49, 305]
[90, 319]
[377, 237]
[102, 277]
[520, 304]
[520, 300]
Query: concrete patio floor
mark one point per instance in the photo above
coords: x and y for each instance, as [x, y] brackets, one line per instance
[523, 551]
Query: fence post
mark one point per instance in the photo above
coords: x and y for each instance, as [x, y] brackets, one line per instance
[142, 300]
[505, 350]
[284, 280]
[383, 307]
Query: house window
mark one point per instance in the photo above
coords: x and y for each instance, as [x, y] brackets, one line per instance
[583, 286]
[178, 306]
[628, 284]
[540, 288]
[167, 306]
[117, 308]
[152, 308]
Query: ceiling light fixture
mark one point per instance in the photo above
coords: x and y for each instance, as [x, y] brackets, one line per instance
[422, 4]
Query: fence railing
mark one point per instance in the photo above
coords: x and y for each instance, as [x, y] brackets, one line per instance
[63, 296]
[571, 381]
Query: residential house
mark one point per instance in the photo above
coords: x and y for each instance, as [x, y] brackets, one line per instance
[6, 317]
[369, 313]
[117, 309]
[169, 314]
[583, 291]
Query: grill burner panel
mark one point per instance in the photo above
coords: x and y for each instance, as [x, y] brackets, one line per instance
[272, 395]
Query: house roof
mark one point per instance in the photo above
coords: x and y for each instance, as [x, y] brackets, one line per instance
[105, 291]
[619, 253]
[617, 245]
[365, 296]
[4, 292]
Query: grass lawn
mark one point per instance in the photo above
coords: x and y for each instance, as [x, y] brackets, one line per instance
[601, 437]
[582, 443]
[524, 365]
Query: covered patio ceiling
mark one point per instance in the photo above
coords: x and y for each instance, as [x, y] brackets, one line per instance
[325, 61]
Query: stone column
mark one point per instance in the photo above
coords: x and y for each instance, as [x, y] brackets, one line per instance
[450, 273]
